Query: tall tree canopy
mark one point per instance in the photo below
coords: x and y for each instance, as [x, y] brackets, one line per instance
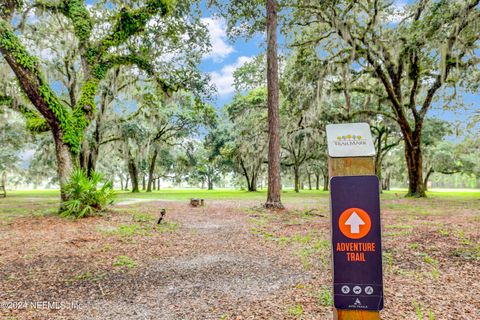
[130, 33]
[409, 62]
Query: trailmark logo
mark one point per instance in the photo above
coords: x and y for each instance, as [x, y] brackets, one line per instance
[350, 140]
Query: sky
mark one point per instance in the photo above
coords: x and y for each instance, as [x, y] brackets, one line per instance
[226, 56]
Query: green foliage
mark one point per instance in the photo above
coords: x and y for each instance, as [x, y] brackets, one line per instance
[325, 297]
[143, 227]
[80, 17]
[296, 310]
[85, 196]
[142, 217]
[130, 22]
[72, 134]
[11, 43]
[419, 312]
[125, 261]
[130, 230]
[85, 105]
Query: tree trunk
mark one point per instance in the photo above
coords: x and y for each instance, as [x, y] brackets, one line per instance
[274, 182]
[64, 163]
[253, 183]
[378, 171]
[317, 181]
[127, 181]
[209, 183]
[151, 170]
[90, 149]
[144, 182]
[386, 182]
[296, 179]
[158, 184]
[245, 174]
[413, 155]
[425, 182]
[378, 167]
[325, 182]
[309, 181]
[121, 181]
[132, 170]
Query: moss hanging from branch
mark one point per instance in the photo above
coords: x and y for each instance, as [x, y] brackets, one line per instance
[9, 43]
[73, 123]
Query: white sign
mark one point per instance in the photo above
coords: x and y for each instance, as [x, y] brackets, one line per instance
[350, 140]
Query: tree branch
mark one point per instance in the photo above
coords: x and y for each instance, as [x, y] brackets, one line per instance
[131, 22]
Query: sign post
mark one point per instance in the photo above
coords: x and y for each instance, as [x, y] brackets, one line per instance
[355, 223]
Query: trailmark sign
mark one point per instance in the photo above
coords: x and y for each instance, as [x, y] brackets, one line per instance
[356, 243]
[349, 140]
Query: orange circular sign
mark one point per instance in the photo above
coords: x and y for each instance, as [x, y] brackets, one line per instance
[354, 223]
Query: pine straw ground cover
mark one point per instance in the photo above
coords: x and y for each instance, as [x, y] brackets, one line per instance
[229, 260]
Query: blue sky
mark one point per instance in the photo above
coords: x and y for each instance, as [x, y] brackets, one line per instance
[226, 56]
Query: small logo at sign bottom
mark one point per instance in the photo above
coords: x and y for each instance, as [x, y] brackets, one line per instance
[368, 290]
[357, 290]
[345, 289]
[357, 302]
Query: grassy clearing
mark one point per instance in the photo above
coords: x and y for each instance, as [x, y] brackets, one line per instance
[24, 205]
[33, 203]
[217, 194]
[230, 194]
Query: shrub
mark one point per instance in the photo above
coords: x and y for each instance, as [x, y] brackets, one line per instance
[85, 197]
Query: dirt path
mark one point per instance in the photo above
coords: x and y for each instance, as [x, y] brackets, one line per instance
[212, 266]
[218, 269]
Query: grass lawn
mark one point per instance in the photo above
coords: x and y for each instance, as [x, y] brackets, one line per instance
[232, 194]
[24, 203]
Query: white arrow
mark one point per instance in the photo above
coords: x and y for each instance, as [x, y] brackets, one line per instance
[354, 221]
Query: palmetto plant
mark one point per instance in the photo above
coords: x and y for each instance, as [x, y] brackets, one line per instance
[85, 197]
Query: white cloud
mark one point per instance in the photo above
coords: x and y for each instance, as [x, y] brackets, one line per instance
[399, 12]
[218, 38]
[223, 79]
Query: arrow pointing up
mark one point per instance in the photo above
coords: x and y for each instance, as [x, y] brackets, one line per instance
[354, 221]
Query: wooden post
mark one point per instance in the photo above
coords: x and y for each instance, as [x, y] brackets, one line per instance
[359, 166]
